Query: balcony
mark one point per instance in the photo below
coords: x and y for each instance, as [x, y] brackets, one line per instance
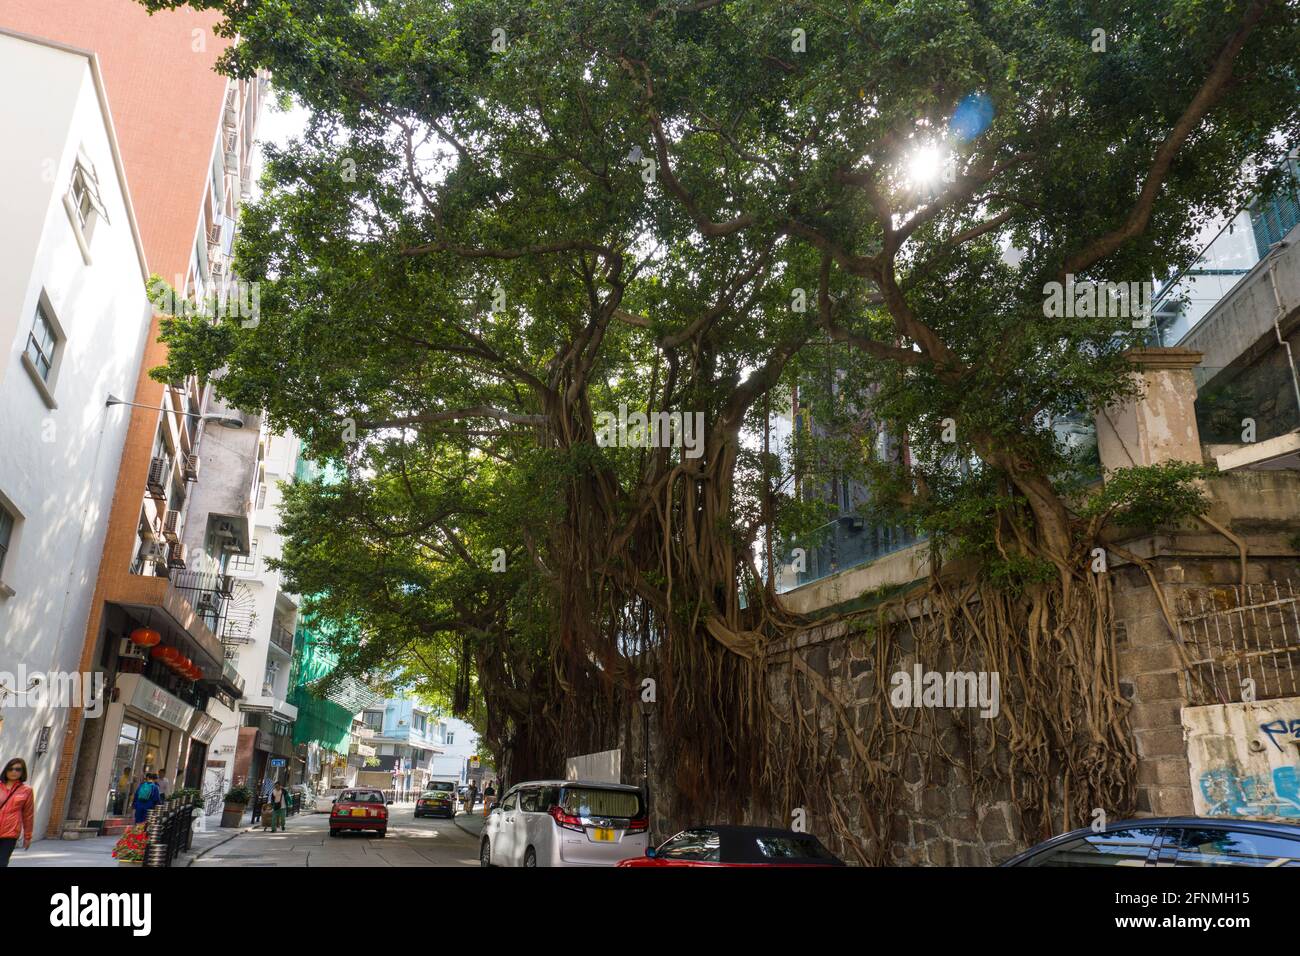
[282, 638]
[208, 594]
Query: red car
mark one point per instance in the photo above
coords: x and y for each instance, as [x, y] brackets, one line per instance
[359, 810]
[738, 846]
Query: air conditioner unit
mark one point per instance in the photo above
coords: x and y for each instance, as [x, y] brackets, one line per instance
[126, 648]
[225, 529]
[217, 265]
[232, 162]
[176, 557]
[157, 480]
[153, 551]
[230, 118]
[171, 528]
[191, 467]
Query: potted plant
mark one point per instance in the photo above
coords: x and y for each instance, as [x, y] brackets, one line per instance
[130, 847]
[237, 800]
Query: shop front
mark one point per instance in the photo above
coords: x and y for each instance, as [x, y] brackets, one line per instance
[147, 732]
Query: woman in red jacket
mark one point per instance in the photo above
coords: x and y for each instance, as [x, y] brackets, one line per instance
[17, 808]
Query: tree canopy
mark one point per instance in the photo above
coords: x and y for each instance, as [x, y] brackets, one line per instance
[508, 218]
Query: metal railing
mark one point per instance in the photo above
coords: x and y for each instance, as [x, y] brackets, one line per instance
[1242, 643]
[208, 594]
[282, 638]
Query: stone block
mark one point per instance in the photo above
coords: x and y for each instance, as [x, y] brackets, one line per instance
[1166, 686]
[1161, 743]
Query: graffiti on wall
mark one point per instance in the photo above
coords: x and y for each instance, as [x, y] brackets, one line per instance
[1245, 758]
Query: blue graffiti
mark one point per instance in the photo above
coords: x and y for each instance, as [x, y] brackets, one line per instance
[1227, 794]
[1281, 727]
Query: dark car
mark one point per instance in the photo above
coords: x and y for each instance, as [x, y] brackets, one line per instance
[360, 809]
[1171, 841]
[434, 803]
[737, 846]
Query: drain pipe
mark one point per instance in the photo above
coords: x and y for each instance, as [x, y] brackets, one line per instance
[1277, 318]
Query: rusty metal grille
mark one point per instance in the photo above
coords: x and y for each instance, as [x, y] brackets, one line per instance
[1233, 634]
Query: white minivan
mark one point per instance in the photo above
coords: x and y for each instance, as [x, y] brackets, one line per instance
[566, 823]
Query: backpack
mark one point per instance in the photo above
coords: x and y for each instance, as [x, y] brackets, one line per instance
[142, 797]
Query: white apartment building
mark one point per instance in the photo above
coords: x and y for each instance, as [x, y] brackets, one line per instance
[74, 314]
[260, 622]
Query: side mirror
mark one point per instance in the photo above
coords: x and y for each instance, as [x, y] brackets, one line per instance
[390, 803]
[651, 852]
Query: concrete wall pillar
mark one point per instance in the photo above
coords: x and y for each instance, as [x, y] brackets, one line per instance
[1160, 424]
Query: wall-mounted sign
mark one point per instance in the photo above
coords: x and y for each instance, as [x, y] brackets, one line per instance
[277, 761]
[151, 699]
[43, 740]
[204, 728]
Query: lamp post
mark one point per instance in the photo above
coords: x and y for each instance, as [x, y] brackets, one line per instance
[226, 421]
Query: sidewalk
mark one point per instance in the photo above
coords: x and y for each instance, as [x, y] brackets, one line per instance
[471, 823]
[98, 851]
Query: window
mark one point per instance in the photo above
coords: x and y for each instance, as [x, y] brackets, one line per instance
[702, 846]
[510, 802]
[1215, 847]
[792, 848]
[83, 205]
[6, 535]
[451, 738]
[418, 724]
[42, 342]
[528, 800]
[593, 802]
[244, 564]
[374, 719]
[1116, 848]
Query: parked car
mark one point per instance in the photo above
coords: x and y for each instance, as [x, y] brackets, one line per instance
[436, 802]
[360, 809]
[1171, 841]
[565, 823]
[737, 846]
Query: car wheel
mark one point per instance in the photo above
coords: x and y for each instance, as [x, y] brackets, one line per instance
[383, 833]
[530, 858]
[333, 832]
[485, 854]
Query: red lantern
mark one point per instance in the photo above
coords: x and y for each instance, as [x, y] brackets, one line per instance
[145, 637]
[181, 664]
[165, 654]
[196, 673]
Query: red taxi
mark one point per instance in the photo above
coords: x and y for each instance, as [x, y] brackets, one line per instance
[359, 809]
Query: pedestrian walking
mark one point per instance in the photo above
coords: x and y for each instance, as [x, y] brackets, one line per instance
[147, 797]
[279, 804]
[471, 797]
[489, 797]
[17, 809]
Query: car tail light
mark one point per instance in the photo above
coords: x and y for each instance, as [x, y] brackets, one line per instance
[638, 825]
[565, 820]
[382, 813]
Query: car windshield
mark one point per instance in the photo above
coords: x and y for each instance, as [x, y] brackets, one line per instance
[361, 796]
[445, 788]
[596, 802]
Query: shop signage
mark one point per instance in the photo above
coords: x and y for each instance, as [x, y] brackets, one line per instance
[151, 699]
[204, 728]
[277, 761]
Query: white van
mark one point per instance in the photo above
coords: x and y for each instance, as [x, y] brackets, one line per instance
[566, 823]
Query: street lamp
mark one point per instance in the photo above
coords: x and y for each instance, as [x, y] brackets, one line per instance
[225, 421]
